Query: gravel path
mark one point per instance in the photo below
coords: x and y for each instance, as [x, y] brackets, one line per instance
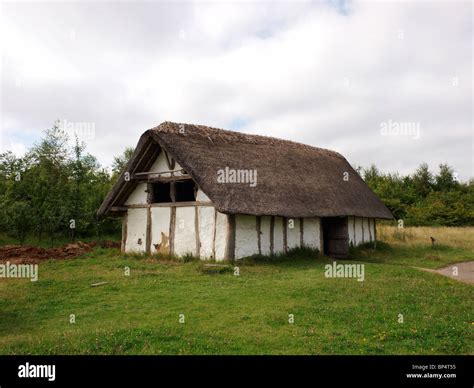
[465, 271]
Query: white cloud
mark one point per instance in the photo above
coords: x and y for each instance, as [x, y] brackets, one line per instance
[305, 72]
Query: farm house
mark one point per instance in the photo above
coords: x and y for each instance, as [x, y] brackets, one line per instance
[223, 195]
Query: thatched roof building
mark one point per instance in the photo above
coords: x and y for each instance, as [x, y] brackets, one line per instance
[292, 180]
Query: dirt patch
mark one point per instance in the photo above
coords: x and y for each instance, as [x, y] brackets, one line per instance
[464, 271]
[30, 254]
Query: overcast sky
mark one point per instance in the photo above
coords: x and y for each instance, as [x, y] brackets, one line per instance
[384, 83]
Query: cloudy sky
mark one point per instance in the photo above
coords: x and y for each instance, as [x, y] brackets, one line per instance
[388, 83]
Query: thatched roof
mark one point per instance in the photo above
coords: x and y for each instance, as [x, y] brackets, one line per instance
[293, 179]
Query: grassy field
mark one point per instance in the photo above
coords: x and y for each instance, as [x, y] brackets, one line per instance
[246, 314]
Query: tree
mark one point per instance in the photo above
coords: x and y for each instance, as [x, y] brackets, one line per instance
[422, 181]
[445, 179]
[121, 161]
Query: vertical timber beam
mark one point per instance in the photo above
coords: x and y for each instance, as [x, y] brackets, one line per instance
[285, 234]
[230, 243]
[124, 231]
[272, 238]
[370, 230]
[148, 231]
[172, 228]
[354, 229]
[196, 231]
[362, 223]
[321, 236]
[259, 233]
[375, 234]
[214, 235]
[301, 232]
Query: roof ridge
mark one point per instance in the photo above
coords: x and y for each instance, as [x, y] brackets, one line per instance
[206, 131]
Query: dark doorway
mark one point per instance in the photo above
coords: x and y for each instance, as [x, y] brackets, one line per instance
[336, 237]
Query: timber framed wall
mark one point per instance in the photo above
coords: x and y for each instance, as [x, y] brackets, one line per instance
[361, 230]
[268, 235]
[197, 228]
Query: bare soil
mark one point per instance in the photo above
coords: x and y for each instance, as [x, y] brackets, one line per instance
[28, 254]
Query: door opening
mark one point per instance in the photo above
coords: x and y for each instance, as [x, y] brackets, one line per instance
[336, 237]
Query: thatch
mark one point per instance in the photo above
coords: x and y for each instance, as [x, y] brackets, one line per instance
[293, 179]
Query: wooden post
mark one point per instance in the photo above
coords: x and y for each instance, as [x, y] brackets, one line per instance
[321, 236]
[375, 234]
[370, 231]
[172, 229]
[214, 235]
[230, 243]
[301, 232]
[272, 230]
[285, 234]
[150, 194]
[363, 234]
[196, 231]
[148, 231]
[173, 192]
[124, 232]
[354, 228]
[259, 233]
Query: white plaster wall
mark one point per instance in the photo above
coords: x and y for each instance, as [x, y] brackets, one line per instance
[370, 229]
[265, 235]
[246, 243]
[136, 229]
[200, 196]
[160, 165]
[206, 231]
[278, 235]
[367, 230]
[362, 234]
[138, 196]
[293, 234]
[221, 236]
[185, 231]
[312, 232]
[350, 230]
[359, 234]
[160, 228]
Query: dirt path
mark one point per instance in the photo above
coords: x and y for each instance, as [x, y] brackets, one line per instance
[464, 270]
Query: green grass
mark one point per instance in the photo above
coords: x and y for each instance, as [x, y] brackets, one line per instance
[248, 314]
[413, 255]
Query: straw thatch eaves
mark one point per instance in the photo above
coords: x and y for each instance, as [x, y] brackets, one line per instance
[294, 180]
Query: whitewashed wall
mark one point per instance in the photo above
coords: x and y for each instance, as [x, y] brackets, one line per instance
[265, 235]
[361, 230]
[161, 166]
[136, 229]
[160, 229]
[222, 223]
[246, 235]
[212, 228]
[185, 231]
[294, 233]
[278, 235]
[246, 240]
[138, 196]
[206, 227]
[312, 232]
